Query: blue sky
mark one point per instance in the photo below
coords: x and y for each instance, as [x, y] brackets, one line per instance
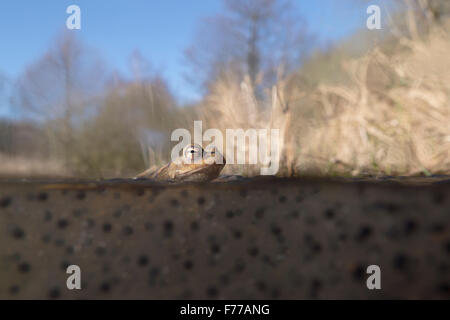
[160, 30]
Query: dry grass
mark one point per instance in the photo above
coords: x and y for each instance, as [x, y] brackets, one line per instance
[393, 117]
[231, 105]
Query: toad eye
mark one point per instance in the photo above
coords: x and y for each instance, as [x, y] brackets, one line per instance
[193, 151]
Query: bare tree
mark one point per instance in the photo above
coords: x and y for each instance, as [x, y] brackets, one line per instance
[60, 89]
[2, 84]
[259, 38]
[94, 120]
[135, 117]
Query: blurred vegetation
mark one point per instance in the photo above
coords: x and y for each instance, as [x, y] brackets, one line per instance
[376, 103]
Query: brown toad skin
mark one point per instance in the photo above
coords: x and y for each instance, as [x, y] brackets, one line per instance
[206, 169]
